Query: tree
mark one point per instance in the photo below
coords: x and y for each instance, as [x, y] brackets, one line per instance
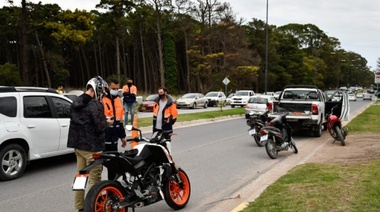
[9, 75]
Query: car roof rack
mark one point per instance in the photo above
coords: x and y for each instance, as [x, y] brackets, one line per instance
[26, 89]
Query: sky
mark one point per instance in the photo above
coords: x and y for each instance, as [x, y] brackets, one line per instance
[356, 23]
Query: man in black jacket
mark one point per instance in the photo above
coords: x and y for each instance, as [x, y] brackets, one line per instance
[87, 131]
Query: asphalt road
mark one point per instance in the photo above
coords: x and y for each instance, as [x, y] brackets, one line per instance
[223, 163]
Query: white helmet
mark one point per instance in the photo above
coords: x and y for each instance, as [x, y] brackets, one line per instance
[99, 86]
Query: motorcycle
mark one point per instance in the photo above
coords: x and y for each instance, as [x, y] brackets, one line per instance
[334, 126]
[145, 175]
[255, 124]
[278, 136]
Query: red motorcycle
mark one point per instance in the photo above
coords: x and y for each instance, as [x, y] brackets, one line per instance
[334, 126]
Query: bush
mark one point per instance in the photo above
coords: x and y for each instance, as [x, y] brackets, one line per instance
[9, 75]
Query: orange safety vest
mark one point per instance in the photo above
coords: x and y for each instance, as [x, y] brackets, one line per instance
[109, 108]
[170, 114]
[133, 89]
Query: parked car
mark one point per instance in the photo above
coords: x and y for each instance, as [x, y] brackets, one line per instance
[277, 94]
[367, 96]
[241, 98]
[34, 124]
[229, 97]
[351, 97]
[148, 103]
[258, 105]
[192, 100]
[359, 95]
[215, 98]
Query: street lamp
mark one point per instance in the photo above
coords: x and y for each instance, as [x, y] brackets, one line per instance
[266, 50]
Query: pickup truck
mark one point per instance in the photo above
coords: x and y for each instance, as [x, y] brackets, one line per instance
[306, 104]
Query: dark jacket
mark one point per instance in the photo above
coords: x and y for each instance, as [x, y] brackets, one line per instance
[87, 124]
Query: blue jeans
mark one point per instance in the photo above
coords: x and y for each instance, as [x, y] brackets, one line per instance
[127, 107]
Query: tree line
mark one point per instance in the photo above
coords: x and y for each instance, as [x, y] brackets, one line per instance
[184, 45]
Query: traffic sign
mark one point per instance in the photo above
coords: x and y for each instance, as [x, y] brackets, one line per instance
[226, 81]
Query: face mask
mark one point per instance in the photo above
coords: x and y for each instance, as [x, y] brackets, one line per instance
[129, 84]
[161, 96]
[113, 92]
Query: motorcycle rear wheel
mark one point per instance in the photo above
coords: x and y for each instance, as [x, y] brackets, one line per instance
[271, 149]
[177, 195]
[339, 135]
[102, 195]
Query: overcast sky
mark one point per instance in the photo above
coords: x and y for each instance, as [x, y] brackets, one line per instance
[356, 23]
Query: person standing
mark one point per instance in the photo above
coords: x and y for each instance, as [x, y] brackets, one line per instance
[113, 110]
[165, 114]
[129, 93]
[87, 131]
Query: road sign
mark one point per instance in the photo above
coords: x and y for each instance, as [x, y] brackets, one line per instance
[226, 81]
[377, 79]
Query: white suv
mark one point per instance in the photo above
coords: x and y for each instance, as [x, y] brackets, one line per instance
[34, 124]
[241, 98]
[215, 98]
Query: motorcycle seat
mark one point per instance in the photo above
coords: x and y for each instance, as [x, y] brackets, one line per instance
[273, 129]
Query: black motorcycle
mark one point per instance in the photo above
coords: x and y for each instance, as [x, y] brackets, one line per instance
[278, 136]
[255, 123]
[144, 175]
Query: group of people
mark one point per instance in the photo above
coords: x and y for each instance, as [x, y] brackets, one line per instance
[96, 123]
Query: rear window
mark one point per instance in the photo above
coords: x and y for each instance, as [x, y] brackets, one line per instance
[258, 100]
[300, 95]
[8, 106]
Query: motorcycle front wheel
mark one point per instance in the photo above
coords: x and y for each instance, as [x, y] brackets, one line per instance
[271, 149]
[103, 195]
[176, 194]
[339, 135]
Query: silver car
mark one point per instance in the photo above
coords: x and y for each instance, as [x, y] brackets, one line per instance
[192, 100]
[258, 104]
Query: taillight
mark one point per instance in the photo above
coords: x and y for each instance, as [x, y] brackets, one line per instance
[314, 109]
[96, 155]
[263, 132]
[269, 106]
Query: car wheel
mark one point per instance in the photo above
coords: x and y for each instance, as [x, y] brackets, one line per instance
[12, 162]
[216, 104]
[232, 106]
[205, 105]
[194, 105]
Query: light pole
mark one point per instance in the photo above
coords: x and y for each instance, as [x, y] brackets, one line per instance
[266, 50]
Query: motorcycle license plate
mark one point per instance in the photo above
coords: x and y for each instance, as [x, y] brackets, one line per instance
[80, 182]
[264, 137]
[252, 132]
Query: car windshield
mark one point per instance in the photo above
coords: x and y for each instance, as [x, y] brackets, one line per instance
[212, 94]
[258, 100]
[151, 97]
[242, 93]
[189, 96]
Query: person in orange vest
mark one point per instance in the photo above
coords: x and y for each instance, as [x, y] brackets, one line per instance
[113, 109]
[129, 93]
[165, 113]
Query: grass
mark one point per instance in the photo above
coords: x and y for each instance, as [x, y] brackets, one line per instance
[360, 124]
[322, 187]
[145, 122]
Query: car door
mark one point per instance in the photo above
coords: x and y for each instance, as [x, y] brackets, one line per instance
[39, 123]
[62, 111]
[201, 100]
